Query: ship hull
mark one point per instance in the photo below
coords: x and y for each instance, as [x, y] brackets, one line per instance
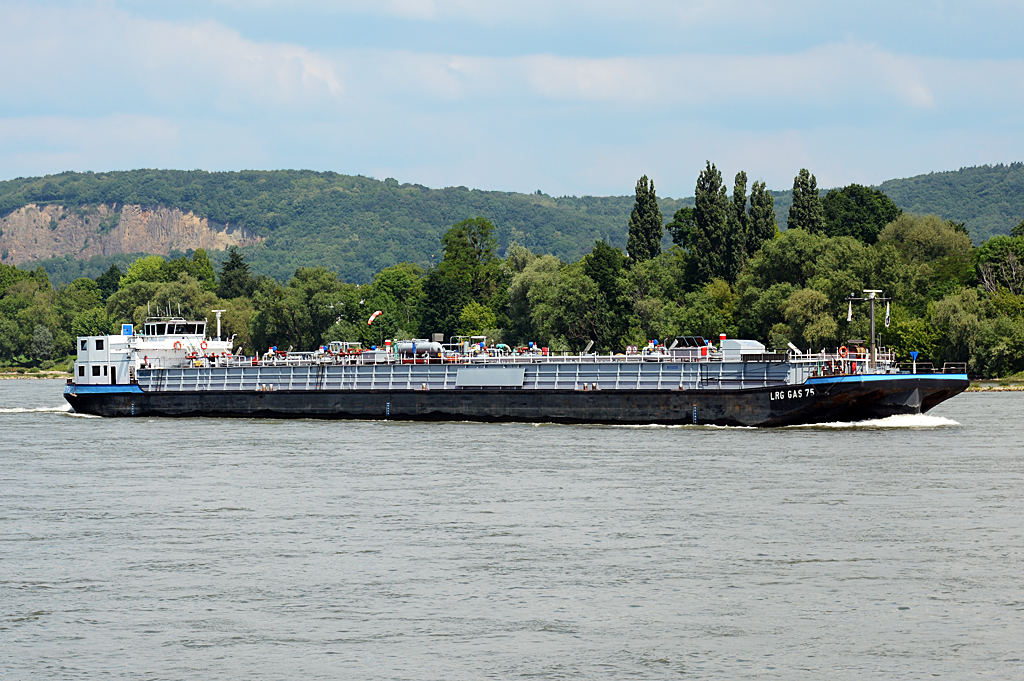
[819, 400]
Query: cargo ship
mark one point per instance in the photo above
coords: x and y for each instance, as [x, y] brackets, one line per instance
[173, 367]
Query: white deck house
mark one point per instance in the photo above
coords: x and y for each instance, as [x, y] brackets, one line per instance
[115, 359]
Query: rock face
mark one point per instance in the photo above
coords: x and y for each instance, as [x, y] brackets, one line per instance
[40, 232]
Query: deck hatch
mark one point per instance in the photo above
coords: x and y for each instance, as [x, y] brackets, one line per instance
[486, 377]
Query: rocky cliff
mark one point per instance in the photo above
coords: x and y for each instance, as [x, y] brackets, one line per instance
[40, 232]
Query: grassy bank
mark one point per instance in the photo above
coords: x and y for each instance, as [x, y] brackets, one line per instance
[32, 372]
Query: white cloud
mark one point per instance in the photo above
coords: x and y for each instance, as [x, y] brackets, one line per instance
[94, 87]
[101, 56]
[46, 144]
[829, 76]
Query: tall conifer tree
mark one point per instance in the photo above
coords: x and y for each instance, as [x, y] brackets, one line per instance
[736, 234]
[807, 212]
[711, 222]
[761, 224]
[645, 223]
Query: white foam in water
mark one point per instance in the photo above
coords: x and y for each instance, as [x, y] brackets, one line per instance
[37, 410]
[898, 421]
[62, 409]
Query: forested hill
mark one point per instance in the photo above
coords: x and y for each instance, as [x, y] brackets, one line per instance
[351, 224]
[357, 225]
[989, 199]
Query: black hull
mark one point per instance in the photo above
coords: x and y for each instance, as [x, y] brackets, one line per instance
[823, 401]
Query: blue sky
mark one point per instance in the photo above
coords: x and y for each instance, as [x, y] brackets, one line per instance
[575, 97]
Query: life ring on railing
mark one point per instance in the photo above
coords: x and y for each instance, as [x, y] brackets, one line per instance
[177, 345]
[203, 345]
[843, 352]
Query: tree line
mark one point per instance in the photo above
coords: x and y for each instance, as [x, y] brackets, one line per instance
[729, 270]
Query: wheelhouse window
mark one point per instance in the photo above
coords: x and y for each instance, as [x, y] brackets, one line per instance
[190, 329]
[96, 370]
[99, 344]
[179, 328]
[161, 329]
[84, 345]
[201, 329]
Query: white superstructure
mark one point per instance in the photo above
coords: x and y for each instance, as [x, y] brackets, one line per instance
[163, 342]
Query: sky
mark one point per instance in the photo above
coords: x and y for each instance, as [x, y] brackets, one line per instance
[572, 98]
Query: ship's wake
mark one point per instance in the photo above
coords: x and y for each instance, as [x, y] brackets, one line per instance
[889, 422]
[64, 409]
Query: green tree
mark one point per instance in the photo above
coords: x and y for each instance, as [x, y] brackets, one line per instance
[926, 238]
[682, 229]
[759, 310]
[645, 223]
[10, 275]
[533, 300]
[807, 314]
[1001, 264]
[710, 242]
[761, 224]
[792, 258]
[300, 314]
[42, 342]
[582, 311]
[1018, 231]
[10, 339]
[736, 232]
[942, 254]
[185, 296]
[444, 298]
[476, 320]
[909, 334]
[150, 268]
[110, 281]
[604, 266]
[235, 280]
[858, 211]
[470, 257]
[398, 292]
[92, 322]
[807, 212]
[199, 267]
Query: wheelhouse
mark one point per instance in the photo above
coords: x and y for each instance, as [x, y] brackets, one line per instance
[173, 327]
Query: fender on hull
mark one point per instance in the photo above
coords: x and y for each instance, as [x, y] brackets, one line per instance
[822, 400]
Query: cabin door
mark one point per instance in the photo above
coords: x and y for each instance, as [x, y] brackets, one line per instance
[113, 375]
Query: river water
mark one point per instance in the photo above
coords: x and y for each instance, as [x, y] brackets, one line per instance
[227, 549]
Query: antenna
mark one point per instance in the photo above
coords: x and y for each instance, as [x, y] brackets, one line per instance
[218, 321]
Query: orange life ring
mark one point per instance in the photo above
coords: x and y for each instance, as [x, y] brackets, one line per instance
[843, 352]
[177, 345]
[203, 345]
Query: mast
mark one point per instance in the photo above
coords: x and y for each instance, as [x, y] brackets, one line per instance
[872, 297]
[218, 321]
[874, 351]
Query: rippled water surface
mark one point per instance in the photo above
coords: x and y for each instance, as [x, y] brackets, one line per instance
[225, 549]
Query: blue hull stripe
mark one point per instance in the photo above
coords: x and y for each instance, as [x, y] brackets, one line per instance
[93, 389]
[887, 377]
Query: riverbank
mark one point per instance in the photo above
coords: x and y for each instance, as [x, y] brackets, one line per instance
[15, 373]
[995, 386]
